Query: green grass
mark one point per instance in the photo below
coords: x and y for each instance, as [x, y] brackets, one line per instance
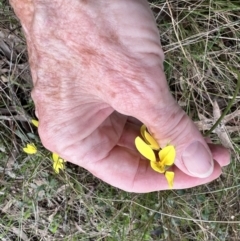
[201, 43]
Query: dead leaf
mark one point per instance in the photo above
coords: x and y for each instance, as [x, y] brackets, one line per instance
[222, 130]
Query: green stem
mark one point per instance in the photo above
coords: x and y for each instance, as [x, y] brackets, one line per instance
[230, 103]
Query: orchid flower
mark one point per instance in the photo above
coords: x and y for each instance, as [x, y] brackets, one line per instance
[161, 159]
[58, 163]
[30, 148]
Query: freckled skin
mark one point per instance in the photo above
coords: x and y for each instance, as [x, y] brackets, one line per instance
[94, 64]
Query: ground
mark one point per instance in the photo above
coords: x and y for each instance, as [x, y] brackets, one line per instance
[202, 47]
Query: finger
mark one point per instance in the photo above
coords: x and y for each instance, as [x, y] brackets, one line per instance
[208, 140]
[125, 169]
[90, 142]
[130, 132]
[220, 154]
[134, 121]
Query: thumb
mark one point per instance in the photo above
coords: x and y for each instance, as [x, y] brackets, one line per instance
[175, 127]
[169, 124]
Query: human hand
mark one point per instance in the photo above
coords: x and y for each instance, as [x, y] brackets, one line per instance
[97, 68]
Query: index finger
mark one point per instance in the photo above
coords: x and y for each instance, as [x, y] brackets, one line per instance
[126, 170]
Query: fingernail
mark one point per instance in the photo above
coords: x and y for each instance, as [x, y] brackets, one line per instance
[198, 160]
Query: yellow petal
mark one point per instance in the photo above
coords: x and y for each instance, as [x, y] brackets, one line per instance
[157, 166]
[145, 149]
[61, 160]
[169, 176]
[55, 157]
[148, 138]
[143, 130]
[30, 149]
[57, 166]
[35, 122]
[167, 155]
[153, 143]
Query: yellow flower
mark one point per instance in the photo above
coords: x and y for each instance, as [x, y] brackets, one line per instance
[30, 149]
[35, 122]
[58, 163]
[160, 158]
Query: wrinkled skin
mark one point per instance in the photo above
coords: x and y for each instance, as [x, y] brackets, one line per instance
[94, 64]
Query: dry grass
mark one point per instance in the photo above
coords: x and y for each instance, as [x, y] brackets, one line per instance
[201, 43]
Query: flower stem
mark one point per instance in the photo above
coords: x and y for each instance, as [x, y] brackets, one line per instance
[230, 103]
